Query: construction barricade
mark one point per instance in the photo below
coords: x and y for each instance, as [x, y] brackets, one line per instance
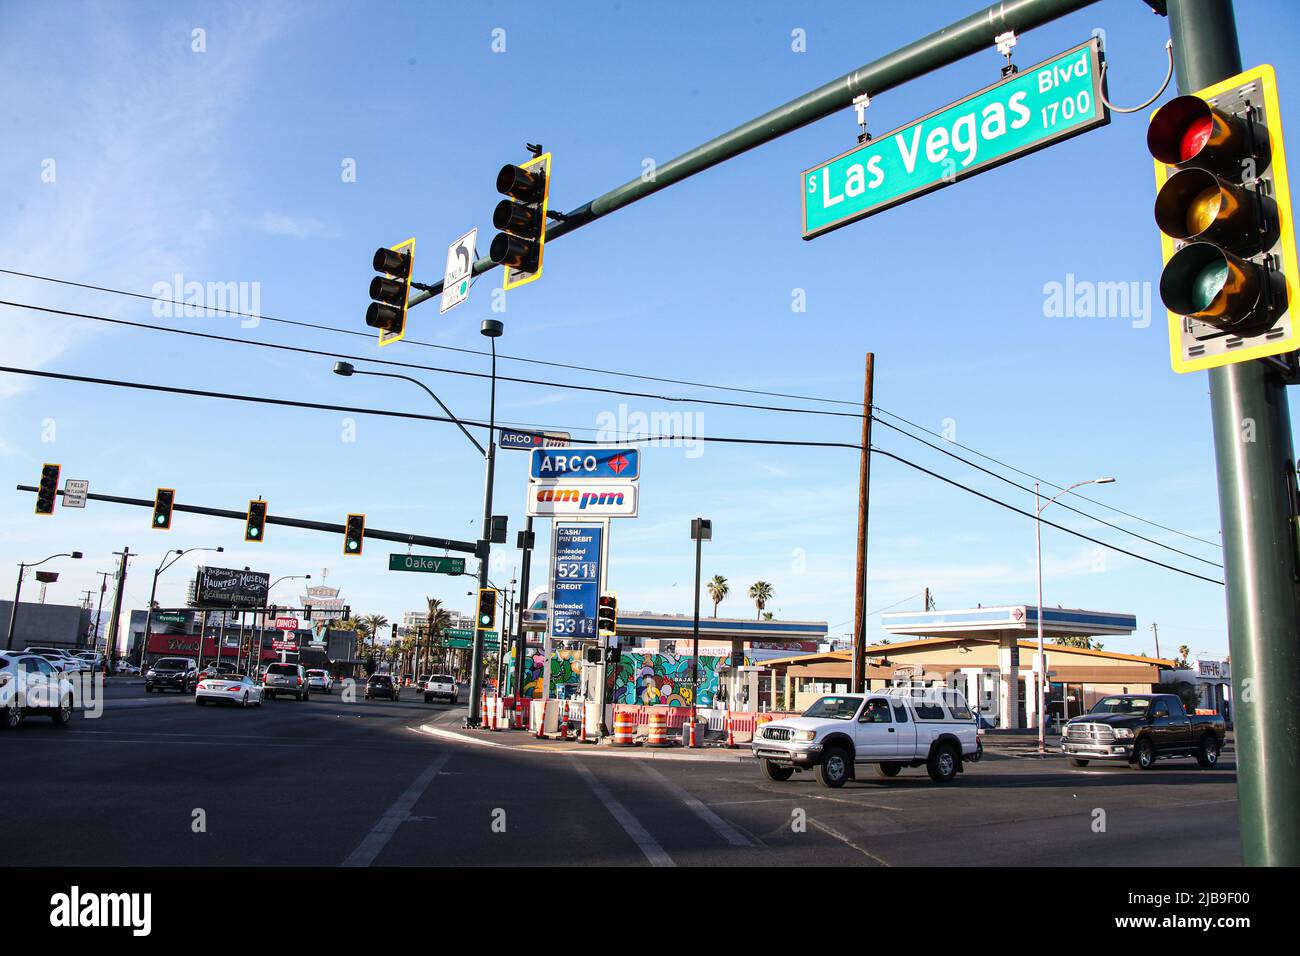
[657, 730]
[624, 729]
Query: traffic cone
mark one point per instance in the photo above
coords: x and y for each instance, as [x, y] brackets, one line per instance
[731, 737]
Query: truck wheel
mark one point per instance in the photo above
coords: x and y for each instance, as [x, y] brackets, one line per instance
[833, 769]
[942, 764]
[1077, 762]
[774, 771]
[888, 769]
[1207, 755]
[1144, 755]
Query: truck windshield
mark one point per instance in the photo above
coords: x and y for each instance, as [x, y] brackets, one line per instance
[838, 708]
[1121, 705]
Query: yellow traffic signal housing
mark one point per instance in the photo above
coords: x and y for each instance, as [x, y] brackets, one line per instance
[354, 534]
[521, 217]
[48, 490]
[255, 527]
[163, 500]
[487, 609]
[391, 291]
[1223, 205]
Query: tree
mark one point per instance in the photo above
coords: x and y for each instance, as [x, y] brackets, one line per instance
[1184, 652]
[718, 589]
[438, 622]
[761, 593]
[373, 623]
[767, 615]
[1078, 640]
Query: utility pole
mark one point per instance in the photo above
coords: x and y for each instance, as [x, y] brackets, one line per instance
[99, 608]
[864, 503]
[124, 557]
[1256, 487]
[525, 541]
[491, 328]
[1155, 632]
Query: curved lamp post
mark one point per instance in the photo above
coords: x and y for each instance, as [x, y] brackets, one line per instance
[22, 569]
[1040, 665]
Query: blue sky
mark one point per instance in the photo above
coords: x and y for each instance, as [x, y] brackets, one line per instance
[227, 165]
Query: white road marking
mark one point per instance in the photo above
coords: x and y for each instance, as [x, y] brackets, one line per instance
[720, 826]
[656, 854]
[396, 815]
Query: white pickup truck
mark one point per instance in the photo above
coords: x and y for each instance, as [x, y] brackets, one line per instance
[890, 729]
[443, 686]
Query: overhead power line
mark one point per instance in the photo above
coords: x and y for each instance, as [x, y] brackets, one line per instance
[433, 345]
[1027, 514]
[1015, 484]
[234, 340]
[292, 403]
[1050, 484]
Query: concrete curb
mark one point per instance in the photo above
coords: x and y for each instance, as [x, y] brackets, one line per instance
[592, 750]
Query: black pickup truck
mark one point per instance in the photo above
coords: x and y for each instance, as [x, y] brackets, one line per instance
[1140, 729]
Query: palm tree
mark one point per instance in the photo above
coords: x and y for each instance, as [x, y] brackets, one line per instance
[718, 589]
[373, 623]
[439, 621]
[761, 593]
[767, 615]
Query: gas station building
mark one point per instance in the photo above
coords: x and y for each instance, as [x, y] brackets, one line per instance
[989, 655]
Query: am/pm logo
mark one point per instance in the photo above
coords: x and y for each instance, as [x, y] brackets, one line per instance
[549, 498]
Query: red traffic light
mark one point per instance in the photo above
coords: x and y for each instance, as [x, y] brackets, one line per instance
[1187, 131]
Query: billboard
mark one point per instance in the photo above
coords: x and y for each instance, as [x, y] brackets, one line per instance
[229, 588]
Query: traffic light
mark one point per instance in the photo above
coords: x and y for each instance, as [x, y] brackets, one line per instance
[497, 534]
[391, 291]
[255, 527]
[1223, 206]
[163, 500]
[48, 489]
[521, 217]
[355, 534]
[607, 614]
[487, 609]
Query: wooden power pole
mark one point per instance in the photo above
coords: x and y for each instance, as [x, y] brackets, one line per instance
[864, 501]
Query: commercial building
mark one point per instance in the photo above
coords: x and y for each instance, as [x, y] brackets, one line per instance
[989, 655]
[48, 625]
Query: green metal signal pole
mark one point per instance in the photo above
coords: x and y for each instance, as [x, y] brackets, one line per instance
[1256, 468]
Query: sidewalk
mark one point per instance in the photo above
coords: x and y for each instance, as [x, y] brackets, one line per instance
[1011, 744]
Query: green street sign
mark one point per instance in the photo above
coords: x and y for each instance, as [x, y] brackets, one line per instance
[169, 617]
[468, 642]
[426, 562]
[466, 635]
[1027, 111]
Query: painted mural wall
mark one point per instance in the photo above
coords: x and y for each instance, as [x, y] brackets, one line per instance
[640, 678]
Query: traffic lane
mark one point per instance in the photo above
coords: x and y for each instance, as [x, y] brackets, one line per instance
[293, 784]
[1012, 811]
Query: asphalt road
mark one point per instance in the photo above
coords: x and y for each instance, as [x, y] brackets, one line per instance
[156, 780]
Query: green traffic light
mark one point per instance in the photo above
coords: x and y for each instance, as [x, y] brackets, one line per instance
[1208, 283]
[252, 532]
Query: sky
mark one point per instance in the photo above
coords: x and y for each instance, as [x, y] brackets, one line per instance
[275, 146]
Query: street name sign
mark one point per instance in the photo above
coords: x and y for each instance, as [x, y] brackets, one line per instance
[426, 562]
[509, 438]
[74, 493]
[465, 634]
[549, 498]
[465, 642]
[1027, 111]
[605, 464]
[456, 279]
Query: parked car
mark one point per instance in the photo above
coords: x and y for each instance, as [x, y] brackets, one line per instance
[228, 688]
[383, 685]
[286, 679]
[890, 729]
[321, 680]
[29, 684]
[64, 661]
[126, 667]
[172, 673]
[440, 685]
[1140, 729]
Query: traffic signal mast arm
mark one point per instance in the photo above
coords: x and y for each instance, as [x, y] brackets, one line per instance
[970, 35]
[446, 544]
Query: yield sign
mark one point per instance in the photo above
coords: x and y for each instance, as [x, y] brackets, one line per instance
[456, 278]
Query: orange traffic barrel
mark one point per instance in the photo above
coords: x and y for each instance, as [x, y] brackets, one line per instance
[624, 729]
[657, 730]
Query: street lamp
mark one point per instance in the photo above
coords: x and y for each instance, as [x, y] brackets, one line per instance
[163, 565]
[1040, 664]
[22, 569]
[701, 531]
[492, 329]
